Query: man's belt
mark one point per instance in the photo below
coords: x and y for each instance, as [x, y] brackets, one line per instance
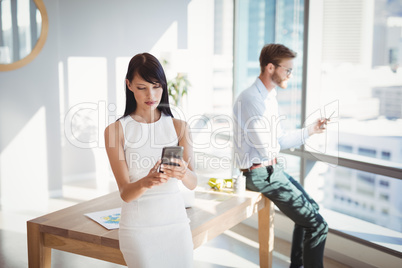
[259, 165]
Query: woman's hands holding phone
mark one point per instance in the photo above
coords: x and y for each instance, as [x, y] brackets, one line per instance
[154, 177]
[172, 171]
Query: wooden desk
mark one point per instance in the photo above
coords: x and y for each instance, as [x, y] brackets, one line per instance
[213, 213]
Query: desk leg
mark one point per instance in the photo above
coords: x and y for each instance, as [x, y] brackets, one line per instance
[266, 233]
[39, 256]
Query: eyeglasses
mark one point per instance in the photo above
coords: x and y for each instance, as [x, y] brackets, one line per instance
[288, 70]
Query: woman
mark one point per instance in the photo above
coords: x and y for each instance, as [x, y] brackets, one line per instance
[154, 228]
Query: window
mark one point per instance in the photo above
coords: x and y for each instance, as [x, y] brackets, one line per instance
[352, 71]
[384, 183]
[259, 22]
[366, 178]
[385, 155]
[345, 148]
[367, 152]
[384, 197]
[344, 190]
[210, 106]
[357, 79]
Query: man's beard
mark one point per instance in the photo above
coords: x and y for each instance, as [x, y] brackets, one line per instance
[282, 83]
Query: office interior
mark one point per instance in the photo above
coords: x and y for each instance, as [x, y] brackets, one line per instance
[57, 98]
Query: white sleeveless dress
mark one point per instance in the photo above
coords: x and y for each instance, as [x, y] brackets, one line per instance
[154, 229]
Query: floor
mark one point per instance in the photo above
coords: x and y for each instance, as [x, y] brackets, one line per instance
[237, 247]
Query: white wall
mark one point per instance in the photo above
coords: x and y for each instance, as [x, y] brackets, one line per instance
[30, 95]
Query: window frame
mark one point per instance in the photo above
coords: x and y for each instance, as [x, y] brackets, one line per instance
[380, 167]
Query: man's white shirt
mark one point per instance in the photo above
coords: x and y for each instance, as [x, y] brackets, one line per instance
[258, 135]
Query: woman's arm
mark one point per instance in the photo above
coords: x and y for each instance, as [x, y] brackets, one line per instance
[185, 172]
[114, 141]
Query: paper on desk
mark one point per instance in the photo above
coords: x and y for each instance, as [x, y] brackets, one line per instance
[107, 218]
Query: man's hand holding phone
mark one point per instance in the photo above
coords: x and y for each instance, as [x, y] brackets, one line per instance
[319, 126]
[326, 120]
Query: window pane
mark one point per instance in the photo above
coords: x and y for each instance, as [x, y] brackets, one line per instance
[354, 72]
[259, 22]
[211, 78]
[291, 165]
[367, 196]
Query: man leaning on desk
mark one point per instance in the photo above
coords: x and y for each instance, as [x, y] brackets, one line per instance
[258, 138]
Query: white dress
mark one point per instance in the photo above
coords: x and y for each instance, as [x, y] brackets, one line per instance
[154, 229]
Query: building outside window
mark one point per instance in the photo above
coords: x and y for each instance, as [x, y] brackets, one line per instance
[349, 65]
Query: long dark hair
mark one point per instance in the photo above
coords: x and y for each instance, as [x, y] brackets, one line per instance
[150, 69]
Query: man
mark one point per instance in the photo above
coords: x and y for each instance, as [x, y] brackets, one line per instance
[258, 138]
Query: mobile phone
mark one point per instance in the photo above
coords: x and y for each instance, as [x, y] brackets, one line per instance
[169, 153]
[326, 119]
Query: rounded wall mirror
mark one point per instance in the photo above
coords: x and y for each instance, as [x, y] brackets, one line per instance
[23, 32]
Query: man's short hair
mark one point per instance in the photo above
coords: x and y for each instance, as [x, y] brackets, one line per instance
[274, 53]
